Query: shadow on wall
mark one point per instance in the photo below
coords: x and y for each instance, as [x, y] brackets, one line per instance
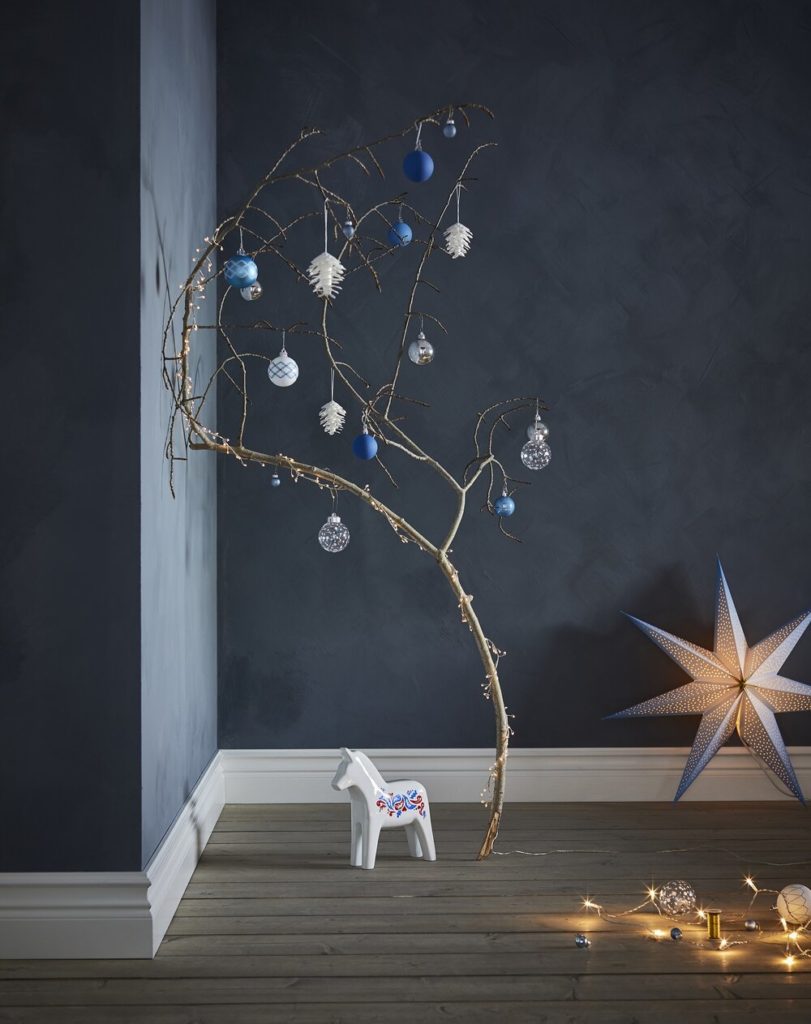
[624, 654]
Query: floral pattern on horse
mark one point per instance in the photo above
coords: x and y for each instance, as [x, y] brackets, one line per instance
[394, 804]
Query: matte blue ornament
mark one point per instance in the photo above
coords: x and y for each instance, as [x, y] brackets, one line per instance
[449, 129]
[418, 166]
[240, 271]
[364, 446]
[275, 480]
[675, 934]
[400, 233]
[504, 505]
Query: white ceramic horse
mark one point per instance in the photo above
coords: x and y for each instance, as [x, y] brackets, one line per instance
[379, 804]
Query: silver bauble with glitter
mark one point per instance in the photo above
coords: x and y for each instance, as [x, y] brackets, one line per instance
[536, 454]
[252, 292]
[676, 898]
[333, 535]
[421, 351]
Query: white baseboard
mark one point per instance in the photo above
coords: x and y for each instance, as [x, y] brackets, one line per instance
[109, 914]
[48, 915]
[551, 774]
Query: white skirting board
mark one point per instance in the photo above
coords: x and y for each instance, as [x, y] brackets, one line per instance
[46, 915]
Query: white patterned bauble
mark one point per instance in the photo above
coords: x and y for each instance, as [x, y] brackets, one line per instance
[794, 904]
[283, 371]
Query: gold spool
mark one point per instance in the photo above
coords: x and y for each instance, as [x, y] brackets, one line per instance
[713, 924]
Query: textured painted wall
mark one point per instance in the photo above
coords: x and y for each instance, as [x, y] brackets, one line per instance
[178, 537]
[641, 253]
[69, 653]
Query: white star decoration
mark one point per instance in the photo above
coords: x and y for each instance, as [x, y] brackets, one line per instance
[733, 686]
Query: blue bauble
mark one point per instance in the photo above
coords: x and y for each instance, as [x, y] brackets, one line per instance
[504, 505]
[364, 446]
[449, 129]
[675, 934]
[418, 166]
[400, 233]
[275, 480]
[240, 271]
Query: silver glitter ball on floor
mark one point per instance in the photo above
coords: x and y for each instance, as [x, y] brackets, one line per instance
[676, 898]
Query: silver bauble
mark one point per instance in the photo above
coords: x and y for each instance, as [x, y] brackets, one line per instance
[582, 941]
[536, 454]
[421, 351]
[333, 535]
[252, 292]
[676, 898]
[751, 925]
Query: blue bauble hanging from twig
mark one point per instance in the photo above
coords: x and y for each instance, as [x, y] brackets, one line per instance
[400, 234]
[418, 165]
[365, 446]
[240, 271]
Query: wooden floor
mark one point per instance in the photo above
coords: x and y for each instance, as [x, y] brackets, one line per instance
[275, 925]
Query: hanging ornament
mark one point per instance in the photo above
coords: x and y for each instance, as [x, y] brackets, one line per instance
[325, 271]
[365, 445]
[275, 480]
[332, 415]
[349, 227]
[536, 453]
[252, 292]
[240, 271]
[418, 166]
[504, 506]
[676, 898]
[400, 233]
[449, 128]
[421, 351]
[283, 371]
[333, 535]
[457, 236]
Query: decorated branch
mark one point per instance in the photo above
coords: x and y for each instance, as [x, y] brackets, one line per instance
[254, 235]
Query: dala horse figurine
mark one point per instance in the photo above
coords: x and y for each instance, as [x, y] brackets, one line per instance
[379, 804]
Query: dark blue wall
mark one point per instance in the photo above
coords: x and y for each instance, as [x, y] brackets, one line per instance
[641, 253]
[70, 772]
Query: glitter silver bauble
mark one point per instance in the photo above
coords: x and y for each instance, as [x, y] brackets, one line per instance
[421, 351]
[333, 535]
[252, 292]
[676, 898]
[536, 454]
[582, 941]
[537, 430]
[283, 371]
[751, 925]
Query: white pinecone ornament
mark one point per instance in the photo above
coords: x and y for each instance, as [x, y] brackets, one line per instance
[332, 417]
[326, 273]
[457, 240]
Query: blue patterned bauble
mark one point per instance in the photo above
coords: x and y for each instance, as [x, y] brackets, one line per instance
[675, 934]
[418, 166]
[504, 505]
[240, 271]
[400, 233]
[364, 446]
[582, 941]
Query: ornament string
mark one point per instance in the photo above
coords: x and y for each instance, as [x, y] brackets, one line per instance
[418, 143]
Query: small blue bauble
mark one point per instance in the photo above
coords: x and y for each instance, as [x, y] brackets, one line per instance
[504, 505]
[418, 166]
[240, 271]
[275, 480]
[364, 446]
[449, 129]
[348, 229]
[582, 941]
[675, 934]
[400, 233]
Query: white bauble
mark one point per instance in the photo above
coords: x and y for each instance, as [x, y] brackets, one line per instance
[283, 371]
[794, 904]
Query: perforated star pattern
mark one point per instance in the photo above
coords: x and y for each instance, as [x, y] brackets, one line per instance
[733, 686]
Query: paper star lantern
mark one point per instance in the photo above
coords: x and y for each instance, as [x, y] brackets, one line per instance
[733, 686]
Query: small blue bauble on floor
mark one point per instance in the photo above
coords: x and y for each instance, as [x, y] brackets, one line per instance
[418, 166]
[400, 233]
[675, 934]
[240, 271]
[364, 446]
[504, 505]
[582, 941]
